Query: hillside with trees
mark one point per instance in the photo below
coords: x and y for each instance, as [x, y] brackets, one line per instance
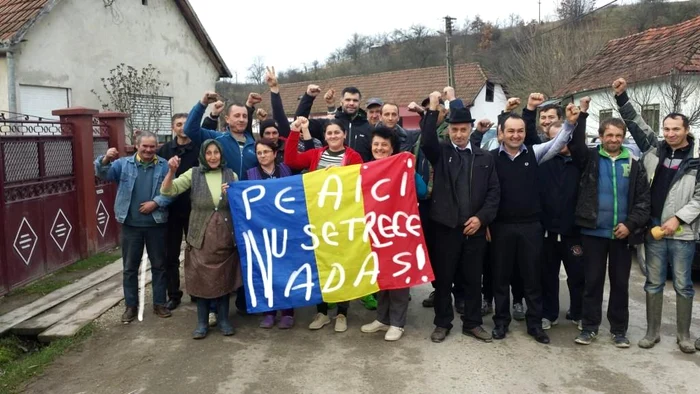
[526, 55]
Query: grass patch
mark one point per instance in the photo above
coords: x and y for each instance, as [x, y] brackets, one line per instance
[54, 281]
[20, 360]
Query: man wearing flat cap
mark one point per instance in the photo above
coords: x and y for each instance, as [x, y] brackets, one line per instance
[465, 200]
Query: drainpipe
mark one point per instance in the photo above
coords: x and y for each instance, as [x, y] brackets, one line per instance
[11, 79]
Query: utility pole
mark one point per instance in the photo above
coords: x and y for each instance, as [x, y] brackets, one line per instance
[539, 11]
[448, 51]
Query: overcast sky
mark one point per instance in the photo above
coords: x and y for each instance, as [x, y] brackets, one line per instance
[291, 33]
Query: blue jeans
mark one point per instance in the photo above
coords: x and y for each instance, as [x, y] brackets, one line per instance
[133, 241]
[658, 255]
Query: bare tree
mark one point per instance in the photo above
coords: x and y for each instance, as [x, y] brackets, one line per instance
[574, 9]
[543, 62]
[137, 93]
[416, 45]
[256, 71]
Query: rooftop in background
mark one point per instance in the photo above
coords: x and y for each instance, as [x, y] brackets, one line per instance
[643, 56]
[18, 16]
[400, 87]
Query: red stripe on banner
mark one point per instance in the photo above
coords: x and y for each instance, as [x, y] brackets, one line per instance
[393, 222]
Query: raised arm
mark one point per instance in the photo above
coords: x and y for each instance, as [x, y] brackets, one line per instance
[276, 103]
[211, 122]
[304, 110]
[172, 186]
[107, 167]
[643, 135]
[551, 148]
[429, 138]
[193, 130]
[530, 118]
[253, 98]
[292, 157]
[577, 145]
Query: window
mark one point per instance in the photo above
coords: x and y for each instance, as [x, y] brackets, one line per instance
[489, 92]
[39, 101]
[604, 114]
[153, 113]
[650, 114]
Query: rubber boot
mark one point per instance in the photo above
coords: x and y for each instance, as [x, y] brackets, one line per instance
[202, 319]
[684, 313]
[655, 304]
[222, 315]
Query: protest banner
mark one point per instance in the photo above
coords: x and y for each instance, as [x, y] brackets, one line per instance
[331, 235]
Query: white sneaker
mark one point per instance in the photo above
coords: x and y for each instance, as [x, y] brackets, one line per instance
[319, 321]
[341, 323]
[547, 324]
[394, 334]
[374, 327]
[212, 319]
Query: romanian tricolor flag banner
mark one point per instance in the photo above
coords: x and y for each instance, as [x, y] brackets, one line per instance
[331, 235]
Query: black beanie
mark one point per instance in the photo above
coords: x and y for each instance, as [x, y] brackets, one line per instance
[268, 123]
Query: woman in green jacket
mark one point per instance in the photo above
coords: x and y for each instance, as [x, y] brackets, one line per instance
[212, 264]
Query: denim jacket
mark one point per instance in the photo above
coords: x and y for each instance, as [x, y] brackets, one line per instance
[124, 172]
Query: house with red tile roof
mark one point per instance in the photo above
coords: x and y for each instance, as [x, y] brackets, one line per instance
[661, 66]
[482, 91]
[54, 52]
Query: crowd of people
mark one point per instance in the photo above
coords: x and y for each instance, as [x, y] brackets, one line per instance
[496, 221]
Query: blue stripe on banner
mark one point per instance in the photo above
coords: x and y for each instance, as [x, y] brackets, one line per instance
[277, 259]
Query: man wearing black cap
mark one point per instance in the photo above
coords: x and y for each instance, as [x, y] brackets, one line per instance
[517, 232]
[374, 110]
[465, 200]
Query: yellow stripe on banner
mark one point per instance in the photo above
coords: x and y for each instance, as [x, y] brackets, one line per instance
[335, 206]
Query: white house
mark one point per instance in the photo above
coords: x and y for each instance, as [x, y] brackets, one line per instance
[661, 66]
[54, 52]
[484, 93]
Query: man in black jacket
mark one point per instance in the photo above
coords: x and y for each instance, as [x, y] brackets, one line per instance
[465, 200]
[558, 185]
[517, 232]
[612, 211]
[179, 210]
[358, 134]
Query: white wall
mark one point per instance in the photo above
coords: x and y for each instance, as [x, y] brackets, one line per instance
[79, 41]
[4, 103]
[483, 109]
[647, 93]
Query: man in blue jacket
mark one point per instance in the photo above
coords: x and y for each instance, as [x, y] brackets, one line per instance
[237, 139]
[141, 210]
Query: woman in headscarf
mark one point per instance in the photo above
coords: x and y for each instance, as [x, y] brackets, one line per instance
[269, 168]
[212, 270]
[392, 305]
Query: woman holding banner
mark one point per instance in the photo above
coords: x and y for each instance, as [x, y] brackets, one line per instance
[267, 168]
[392, 305]
[335, 154]
[212, 267]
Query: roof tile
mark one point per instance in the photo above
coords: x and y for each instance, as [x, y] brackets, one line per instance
[639, 57]
[16, 13]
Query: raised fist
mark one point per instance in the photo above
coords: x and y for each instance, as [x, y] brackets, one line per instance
[512, 104]
[261, 114]
[218, 108]
[174, 163]
[448, 93]
[585, 103]
[413, 107]
[111, 155]
[620, 85]
[209, 97]
[313, 90]
[572, 113]
[483, 125]
[435, 100]
[534, 101]
[329, 97]
[304, 123]
[253, 98]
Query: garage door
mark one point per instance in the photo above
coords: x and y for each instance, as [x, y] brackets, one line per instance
[41, 100]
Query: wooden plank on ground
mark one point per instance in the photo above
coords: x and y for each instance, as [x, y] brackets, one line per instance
[70, 326]
[41, 322]
[17, 316]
